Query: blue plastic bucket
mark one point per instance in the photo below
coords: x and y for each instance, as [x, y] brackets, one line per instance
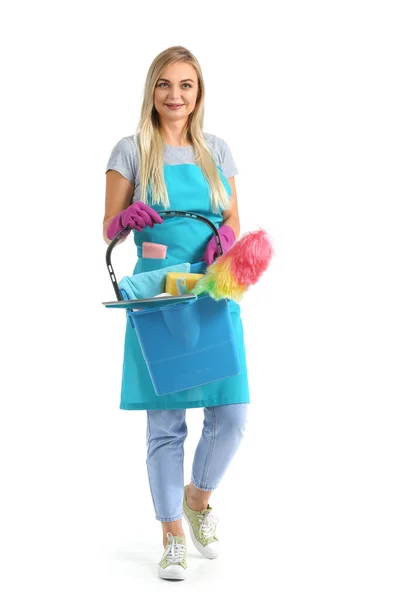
[188, 344]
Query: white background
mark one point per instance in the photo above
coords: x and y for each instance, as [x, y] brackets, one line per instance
[307, 96]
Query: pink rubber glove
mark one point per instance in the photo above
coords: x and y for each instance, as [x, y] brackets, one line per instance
[137, 216]
[227, 237]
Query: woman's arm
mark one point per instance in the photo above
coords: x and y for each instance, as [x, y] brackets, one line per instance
[119, 192]
[231, 216]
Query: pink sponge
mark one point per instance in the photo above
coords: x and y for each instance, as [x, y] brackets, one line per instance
[233, 272]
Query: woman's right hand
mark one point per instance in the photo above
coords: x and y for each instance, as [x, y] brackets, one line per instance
[137, 216]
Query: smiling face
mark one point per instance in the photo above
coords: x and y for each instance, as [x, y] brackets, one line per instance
[176, 92]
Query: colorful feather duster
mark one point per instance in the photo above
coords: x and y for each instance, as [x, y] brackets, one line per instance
[241, 266]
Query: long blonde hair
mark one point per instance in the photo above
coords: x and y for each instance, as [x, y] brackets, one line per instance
[151, 145]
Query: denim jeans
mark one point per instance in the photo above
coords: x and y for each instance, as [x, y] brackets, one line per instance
[223, 429]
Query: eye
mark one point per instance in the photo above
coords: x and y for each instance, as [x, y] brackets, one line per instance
[165, 83]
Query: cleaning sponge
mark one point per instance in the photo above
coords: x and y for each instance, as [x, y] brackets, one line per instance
[178, 284]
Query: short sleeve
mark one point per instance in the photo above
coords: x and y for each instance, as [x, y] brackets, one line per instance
[123, 159]
[228, 164]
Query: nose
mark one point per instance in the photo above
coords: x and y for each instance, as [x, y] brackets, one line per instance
[174, 94]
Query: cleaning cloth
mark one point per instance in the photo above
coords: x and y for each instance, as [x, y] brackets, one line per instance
[148, 284]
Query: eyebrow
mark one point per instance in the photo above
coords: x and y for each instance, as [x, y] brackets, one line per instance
[182, 80]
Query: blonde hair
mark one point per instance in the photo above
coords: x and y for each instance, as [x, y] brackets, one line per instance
[151, 145]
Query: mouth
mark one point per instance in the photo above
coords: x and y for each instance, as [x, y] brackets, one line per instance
[174, 106]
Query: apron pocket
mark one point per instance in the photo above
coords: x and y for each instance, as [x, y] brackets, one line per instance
[150, 264]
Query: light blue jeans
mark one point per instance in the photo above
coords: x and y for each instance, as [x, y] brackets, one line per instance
[223, 429]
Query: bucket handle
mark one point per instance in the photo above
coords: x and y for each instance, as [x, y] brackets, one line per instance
[168, 213]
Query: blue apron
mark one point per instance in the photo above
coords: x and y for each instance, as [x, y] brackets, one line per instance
[186, 241]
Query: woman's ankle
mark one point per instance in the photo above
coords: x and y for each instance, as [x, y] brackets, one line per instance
[196, 499]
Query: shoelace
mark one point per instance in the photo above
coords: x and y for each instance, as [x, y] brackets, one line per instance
[208, 524]
[174, 552]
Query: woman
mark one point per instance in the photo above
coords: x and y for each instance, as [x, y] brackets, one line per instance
[170, 164]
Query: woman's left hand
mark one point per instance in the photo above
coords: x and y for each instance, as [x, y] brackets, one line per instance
[227, 237]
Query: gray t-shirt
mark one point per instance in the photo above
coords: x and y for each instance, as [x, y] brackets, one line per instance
[124, 158]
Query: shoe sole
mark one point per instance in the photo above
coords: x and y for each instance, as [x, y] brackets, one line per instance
[200, 548]
[172, 575]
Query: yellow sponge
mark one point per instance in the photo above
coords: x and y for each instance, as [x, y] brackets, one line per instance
[178, 284]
